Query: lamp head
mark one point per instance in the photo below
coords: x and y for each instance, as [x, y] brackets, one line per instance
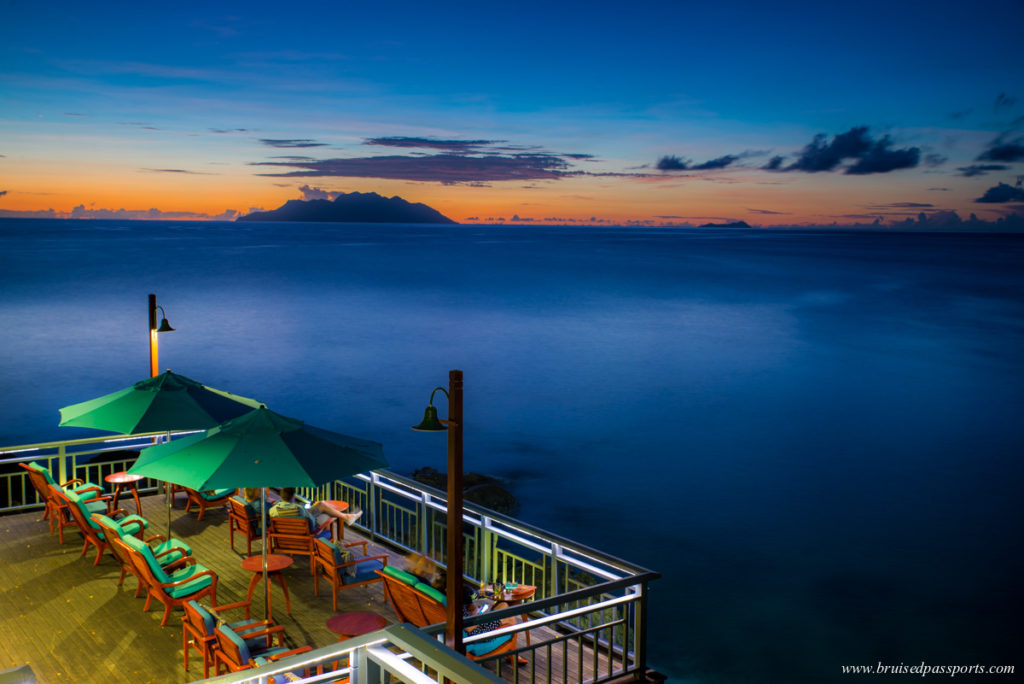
[164, 326]
[430, 422]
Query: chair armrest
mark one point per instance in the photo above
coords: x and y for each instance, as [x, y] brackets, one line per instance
[232, 606]
[382, 556]
[349, 545]
[74, 481]
[193, 578]
[294, 651]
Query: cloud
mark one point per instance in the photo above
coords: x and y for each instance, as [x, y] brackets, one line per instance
[441, 168]
[1002, 193]
[774, 164]
[671, 162]
[718, 163]
[873, 156]
[767, 212]
[80, 212]
[901, 205]
[1002, 150]
[980, 169]
[294, 142]
[2, 193]
[455, 146]
[192, 173]
[223, 131]
[311, 193]
[1003, 100]
[934, 159]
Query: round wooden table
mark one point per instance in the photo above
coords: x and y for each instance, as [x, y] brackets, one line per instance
[514, 597]
[349, 625]
[341, 507]
[275, 564]
[122, 481]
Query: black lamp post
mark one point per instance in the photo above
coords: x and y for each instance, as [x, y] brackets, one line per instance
[154, 330]
[453, 426]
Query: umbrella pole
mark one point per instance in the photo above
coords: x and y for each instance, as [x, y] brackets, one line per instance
[169, 493]
[263, 529]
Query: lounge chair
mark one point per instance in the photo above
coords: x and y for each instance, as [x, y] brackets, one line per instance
[81, 510]
[41, 480]
[198, 626]
[342, 568]
[242, 519]
[188, 583]
[208, 498]
[292, 536]
[422, 605]
[235, 653]
[168, 553]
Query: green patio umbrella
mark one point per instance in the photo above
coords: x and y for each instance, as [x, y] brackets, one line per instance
[164, 403]
[259, 449]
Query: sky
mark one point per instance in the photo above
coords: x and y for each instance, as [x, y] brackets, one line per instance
[651, 113]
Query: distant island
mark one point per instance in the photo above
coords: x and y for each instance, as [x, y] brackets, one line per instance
[734, 224]
[352, 207]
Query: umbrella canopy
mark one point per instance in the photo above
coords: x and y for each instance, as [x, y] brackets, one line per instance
[167, 402]
[259, 449]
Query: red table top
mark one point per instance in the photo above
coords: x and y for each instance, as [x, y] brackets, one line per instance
[275, 562]
[340, 506]
[122, 478]
[356, 623]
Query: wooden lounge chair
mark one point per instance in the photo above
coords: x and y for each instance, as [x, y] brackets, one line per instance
[81, 510]
[210, 498]
[292, 536]
[41, 480]
[241, 651]
[169, 553]
[422, 605]
[242, 520]
[190, 582]
[330, 561]
[198, 625]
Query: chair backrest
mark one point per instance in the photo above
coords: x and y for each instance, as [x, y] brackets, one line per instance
[325, 555]
[290, 535]
[411, 604]
[199, 619]
[112, 531]
[87, 527]
[37, 480]
[41, 470]
[145, 554]
[242, 515]
[77, 502]
[233, 647]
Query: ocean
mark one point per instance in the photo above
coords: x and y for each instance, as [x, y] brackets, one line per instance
[814, 435]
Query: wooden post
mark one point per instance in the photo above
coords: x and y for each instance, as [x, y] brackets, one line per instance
[154, 354]
[453, 588]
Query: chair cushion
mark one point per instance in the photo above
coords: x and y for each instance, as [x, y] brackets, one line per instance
[239, 642]
[431, 592]
[479, 648]
[192, 586]
[176, 544]
[363, 572]
[215, 494]
[406, 577]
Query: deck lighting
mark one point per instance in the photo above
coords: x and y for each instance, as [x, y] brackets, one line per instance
[154, 330]
[453, 426]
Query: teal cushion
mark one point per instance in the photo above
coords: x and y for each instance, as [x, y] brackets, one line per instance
[479, 648]
[215, 494]
[176, 544]
[341, 555]
[95, 506]
[431, 592]
[192, 586]
[406, 577]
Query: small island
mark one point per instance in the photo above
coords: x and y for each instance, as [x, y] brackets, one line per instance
[733, 224]
[352, 207]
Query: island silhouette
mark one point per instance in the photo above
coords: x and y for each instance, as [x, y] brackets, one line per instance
[352, 207]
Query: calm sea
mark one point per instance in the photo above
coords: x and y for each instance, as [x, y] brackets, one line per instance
[816, 436]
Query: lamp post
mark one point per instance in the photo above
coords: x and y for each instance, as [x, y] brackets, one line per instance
[154, 330]
[453, 426]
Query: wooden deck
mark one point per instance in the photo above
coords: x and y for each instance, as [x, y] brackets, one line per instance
[69, 620]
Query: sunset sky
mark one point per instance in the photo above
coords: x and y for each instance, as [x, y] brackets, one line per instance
[558, 112]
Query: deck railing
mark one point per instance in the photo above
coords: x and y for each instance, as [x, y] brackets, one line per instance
[592, 604]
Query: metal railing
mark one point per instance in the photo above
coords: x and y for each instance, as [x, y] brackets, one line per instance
[589, 611]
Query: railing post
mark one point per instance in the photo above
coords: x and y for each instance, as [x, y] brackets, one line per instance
[423, 515]
[371, 503]
[485, 550]
[640, 631]
[62, 467]
[556, 551]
